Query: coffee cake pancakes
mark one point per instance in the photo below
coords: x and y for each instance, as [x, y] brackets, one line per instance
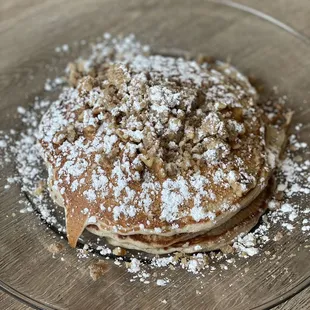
[158, 153]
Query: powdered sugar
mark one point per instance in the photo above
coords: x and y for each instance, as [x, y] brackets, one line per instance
[134, 266]
[174, 194]
[162, 282]
[245, 245]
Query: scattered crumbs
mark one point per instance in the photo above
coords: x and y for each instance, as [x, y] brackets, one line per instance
[103, 250]
[97, 269]
[278, 236]
[118, 251]
[65, 48]
[51, 85]
[56, 248]
[195, 263]
[84, 252]
[245, 245]
[292, 255]
[227, 249]
[222, 266]
[21, 110]
[288, 226]
[162, 282]
[27, 209]
[134, 266]
[3, 144]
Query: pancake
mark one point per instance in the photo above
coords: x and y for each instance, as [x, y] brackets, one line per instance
[156, 146]
[213, 239]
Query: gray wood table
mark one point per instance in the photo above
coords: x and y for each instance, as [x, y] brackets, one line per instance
[293, 13]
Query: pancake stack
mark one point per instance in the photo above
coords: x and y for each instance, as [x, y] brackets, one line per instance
[158, 154]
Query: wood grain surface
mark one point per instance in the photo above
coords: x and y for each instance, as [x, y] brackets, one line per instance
[15, 13]
[298, 302]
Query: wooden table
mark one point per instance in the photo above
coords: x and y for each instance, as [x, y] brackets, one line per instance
[293, 13]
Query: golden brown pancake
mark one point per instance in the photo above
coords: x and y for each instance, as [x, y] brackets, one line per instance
[157, 146]
[213, 239]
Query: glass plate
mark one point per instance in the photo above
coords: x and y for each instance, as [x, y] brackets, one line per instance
[255, 43]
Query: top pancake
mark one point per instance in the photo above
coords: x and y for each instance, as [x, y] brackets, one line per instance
[154, 145]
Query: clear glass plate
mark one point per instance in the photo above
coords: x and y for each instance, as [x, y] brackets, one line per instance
[256, 44]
